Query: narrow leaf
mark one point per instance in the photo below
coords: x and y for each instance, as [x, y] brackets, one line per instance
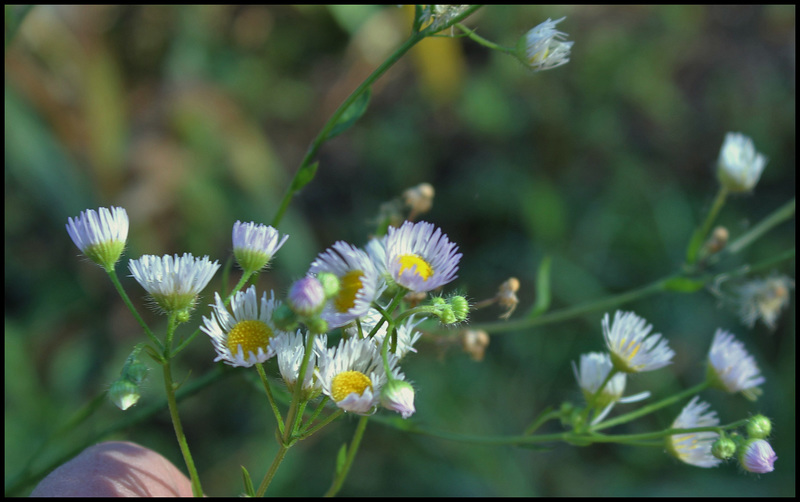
[542, 288]
[305, 175]
[248, 483]
[341, 459]
[683, 285]
[351, 115]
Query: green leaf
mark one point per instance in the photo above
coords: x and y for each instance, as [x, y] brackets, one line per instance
[341, 459]
[305, 175]
[248, 483]
[542, 288]
[683, 285]
[351, 114]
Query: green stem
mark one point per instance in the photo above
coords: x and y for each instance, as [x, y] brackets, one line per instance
[700, 234]
[263, 375]
[577, 311]
[169, 386]
[484, 42]
[645, 410]
[775, 218]
[351, 454]
[112, 274]
[276, 462]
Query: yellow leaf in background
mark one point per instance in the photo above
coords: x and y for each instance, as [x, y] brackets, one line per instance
[440, 64]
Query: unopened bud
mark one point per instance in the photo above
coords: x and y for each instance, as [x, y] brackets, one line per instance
[759, 427]
[307, 296]
[723, 448]
[460, 307]
[124, 393]
[398, 395]
[330, 284]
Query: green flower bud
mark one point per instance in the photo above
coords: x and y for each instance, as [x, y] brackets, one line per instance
[759, 427]
[330, 284]
[460, 307]
[124, 393]
[723, 448]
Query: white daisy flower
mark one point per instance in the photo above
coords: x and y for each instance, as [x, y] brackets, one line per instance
[101, 234]
[254, 244]
[632, 350]
[352, 374]
[173, 281]
[289, 349]
[359, 283]
[420, 257]
[594, 368]
[739, 166]
[731, 368]
[542, 47]
[247, 336]
[694, 448]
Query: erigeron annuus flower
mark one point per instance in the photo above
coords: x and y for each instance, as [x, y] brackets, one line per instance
[731, 368]
[739, 165]
[247, 336]
[255, 244]
[289, 350]
[594, 369]
[352, 374]
[542, 47]
[359, 282]
[764, 299]
[173, 281]
[632, 350]
[420, 257]
[101, 234]
[694, 448]
[758, 456]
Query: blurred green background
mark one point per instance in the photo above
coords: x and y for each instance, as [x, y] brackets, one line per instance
[194, 117]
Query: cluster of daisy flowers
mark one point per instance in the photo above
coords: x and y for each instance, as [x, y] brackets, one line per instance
[632, 348]
[342, 289]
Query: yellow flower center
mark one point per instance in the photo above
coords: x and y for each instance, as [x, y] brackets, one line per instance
[347, 382]
[251, 335]
[408, 261]
[349, 286]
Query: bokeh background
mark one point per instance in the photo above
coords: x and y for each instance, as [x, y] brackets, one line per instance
[194, 117]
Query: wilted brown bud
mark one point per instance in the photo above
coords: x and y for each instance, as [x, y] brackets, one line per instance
[507, 297]
[474, 343]
[717, 241]
[419, 199]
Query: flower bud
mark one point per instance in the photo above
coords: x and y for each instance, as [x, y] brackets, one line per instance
[330, 284]
[398, 395]
[124, 393]
[460, 307]
[307, 296]
[759, 427]
[723, 448]
[757, 456]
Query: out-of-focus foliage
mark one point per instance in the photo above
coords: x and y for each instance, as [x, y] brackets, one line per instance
[194, 117]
